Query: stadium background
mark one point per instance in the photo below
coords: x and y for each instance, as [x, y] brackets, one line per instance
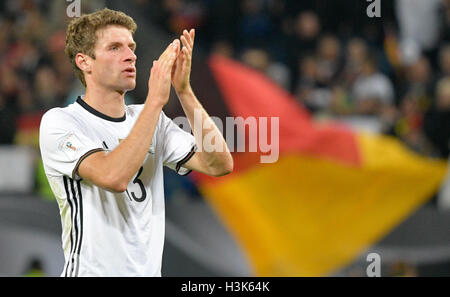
[364, 108]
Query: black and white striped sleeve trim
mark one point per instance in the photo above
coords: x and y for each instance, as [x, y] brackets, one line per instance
[185, 159]
[87, 154]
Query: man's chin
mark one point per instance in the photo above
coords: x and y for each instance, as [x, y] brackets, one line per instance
[129, 87]
[124, 89]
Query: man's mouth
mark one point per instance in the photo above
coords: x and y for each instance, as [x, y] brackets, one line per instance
[130, 71]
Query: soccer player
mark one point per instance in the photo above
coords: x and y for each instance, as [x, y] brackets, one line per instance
[104, 160]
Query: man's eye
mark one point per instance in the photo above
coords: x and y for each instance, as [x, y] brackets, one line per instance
[114, 48]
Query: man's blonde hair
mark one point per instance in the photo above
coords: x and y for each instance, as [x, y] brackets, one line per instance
[81, 33]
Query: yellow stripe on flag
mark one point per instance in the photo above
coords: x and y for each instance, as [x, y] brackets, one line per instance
[307, 216]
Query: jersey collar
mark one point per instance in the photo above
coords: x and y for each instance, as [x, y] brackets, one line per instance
[98, 113]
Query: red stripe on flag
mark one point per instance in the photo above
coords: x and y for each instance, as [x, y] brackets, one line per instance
[249, 93]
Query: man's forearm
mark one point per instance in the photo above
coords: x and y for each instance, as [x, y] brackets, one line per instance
[115, 169]
[129, 156]
[214, 158]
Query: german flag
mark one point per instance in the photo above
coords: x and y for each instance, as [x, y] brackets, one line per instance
[331, 193]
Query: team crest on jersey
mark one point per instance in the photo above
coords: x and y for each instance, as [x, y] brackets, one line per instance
[70, 144]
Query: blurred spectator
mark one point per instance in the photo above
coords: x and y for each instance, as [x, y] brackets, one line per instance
[307, 29]
[419, 22]
[223, 48]
[46, 87]
[372, 91]
[443, 94]
[315, 95]
[418, 79]
[329, 63]
[8, 115]
[302, 41]
[416, 93]
[181, 14]
[446, 21]
[408, 126]
[355, 56]
[9, 109]
[437, 119]
[261, 61]
[254, 25]
[444, 60]
[419, 73]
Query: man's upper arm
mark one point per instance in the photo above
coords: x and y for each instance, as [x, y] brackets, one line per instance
[178, 147]
[194, 163]
[90, 168]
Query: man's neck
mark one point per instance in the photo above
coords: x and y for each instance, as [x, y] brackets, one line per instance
[109, 103]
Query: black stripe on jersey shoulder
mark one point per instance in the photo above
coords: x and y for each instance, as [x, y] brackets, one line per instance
[185, 159]
[98, 113]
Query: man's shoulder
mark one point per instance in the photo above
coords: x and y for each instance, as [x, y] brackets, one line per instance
[59, 116]
[56, 111]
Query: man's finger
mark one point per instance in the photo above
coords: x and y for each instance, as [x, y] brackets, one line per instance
[181, 57]
[188, 37]
[186, 61]
[192, 35]
[173, 54]
[185, 43]
[186, 53]
[170, 48]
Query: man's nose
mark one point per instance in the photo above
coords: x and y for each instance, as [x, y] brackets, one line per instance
[130, 56]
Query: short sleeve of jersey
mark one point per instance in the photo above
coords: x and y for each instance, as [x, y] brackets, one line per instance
[62, 143]
[179, 146]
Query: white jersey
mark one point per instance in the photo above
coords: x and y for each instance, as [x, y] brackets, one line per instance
[106, 233]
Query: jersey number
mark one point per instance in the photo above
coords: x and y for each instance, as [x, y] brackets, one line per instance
[141, 185]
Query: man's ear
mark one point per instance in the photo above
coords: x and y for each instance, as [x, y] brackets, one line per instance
[83, 62]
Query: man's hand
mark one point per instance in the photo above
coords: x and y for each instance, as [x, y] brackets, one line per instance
[181, 71]
[160, 75]
[215, 163]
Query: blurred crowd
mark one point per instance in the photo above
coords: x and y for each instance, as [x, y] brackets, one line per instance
[35, 74]
[392, 71]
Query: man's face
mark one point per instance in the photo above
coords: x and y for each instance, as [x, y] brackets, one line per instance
[114, 65]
